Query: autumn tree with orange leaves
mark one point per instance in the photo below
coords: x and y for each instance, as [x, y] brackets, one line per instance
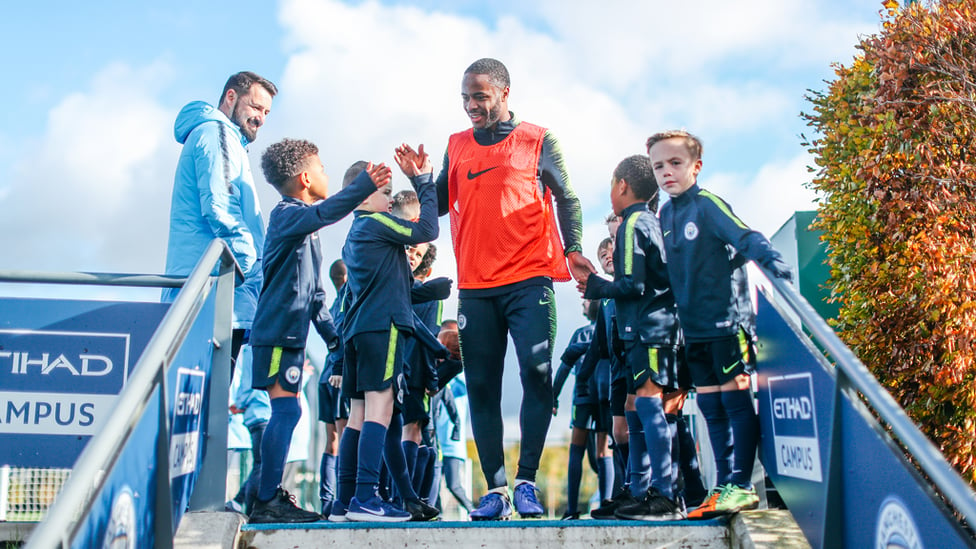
[896, 171]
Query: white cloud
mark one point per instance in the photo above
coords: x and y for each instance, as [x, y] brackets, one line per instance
[92, 192]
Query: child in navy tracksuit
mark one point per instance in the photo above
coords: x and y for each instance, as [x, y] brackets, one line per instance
[378, 318]
[291, 298]
[647, 325]
[698, 229]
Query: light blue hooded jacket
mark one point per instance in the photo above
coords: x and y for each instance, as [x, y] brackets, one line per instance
[214, 196]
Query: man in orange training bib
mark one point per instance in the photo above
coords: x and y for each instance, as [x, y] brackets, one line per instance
[499, 182]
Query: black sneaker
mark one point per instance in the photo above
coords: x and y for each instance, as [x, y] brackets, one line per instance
[653, 506]
[608, 507]
[419, 510]
[280, 509]
[570, 516]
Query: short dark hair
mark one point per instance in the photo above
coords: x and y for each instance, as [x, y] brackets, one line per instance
[353, 171]
[241, 83]
[427, 261]
[637, 172]
[337, 273]
[285, 159]
[403, 199]
[691, 142]
[495, 69]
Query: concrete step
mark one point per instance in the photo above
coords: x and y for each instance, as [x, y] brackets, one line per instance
[768, 529]
[540, 534]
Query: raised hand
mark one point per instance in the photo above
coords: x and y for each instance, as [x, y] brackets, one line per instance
[413, 162]
[381, 174]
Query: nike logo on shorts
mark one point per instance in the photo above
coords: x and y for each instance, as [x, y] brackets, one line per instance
[472, 175]
[730, 367]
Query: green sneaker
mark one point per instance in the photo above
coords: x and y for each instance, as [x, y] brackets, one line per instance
[734, 499]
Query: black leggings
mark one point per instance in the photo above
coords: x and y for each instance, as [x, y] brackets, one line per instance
[529, 315]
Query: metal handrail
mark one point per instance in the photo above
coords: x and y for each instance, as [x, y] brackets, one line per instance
[94, 279]
[61, 522]
[952, 486]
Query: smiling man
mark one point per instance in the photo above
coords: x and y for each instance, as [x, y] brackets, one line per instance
[213, 193]
[498, 182]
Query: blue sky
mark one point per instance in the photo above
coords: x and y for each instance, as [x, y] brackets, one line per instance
[87, 153]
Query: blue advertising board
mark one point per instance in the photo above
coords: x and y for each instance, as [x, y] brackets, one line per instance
[62, 365]
[124, 512]
[842, 477]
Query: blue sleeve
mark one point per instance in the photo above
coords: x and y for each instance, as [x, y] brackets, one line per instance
[302, 221]
[629, 266]
[392, 229]
[562, 373]
[730, 229]
[322, 320]
[443, 194]
[221, 207]
[590, 360]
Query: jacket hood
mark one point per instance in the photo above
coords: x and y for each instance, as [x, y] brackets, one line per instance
[196, 113]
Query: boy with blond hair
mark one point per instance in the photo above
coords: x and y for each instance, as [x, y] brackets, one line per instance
[698, 228]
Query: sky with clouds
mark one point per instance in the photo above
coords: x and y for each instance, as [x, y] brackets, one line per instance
[87, 153]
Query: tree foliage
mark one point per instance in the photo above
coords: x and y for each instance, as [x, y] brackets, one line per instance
[896, 171]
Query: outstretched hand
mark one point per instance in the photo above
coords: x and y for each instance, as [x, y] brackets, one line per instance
[381, 174]
[413, 162]
[580, 267]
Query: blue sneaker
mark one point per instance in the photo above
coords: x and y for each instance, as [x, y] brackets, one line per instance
[338, 512]
[492, 506]
[527, 501]
[375, 510]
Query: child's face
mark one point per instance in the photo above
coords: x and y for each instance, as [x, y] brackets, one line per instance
[380, 200]
[674, 168]
[612, 226]
[618, 194]
[318, 182]
[606, 259]
[415, 254]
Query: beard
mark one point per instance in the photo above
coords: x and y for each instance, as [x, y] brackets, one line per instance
[250, 132]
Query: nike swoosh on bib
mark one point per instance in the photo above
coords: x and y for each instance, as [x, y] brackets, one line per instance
[472, 175]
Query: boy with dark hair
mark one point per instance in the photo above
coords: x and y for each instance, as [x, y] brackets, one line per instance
[698, 229]
[379, 316]
[291, 298]
[647, 325]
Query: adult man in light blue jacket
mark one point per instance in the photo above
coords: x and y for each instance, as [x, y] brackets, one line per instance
[214, 195]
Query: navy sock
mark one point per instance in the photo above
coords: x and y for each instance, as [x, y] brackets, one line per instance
[427, 480]
[410, 453]
[327, 480]
[420, 469]
[694, 486]
[745, 434]
[285, 413]
[719, 434]
[658, 440]
[574, 477]
[396, 462]
[621, 455]
[677, 483]
[638, 463]
[346, 468]
[371, 442]
[605, 476]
